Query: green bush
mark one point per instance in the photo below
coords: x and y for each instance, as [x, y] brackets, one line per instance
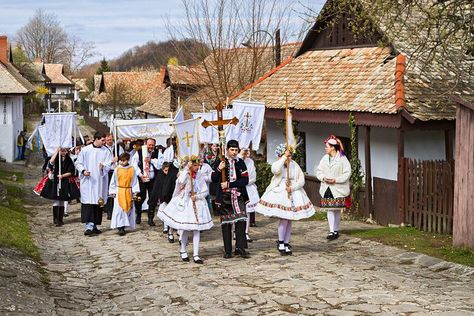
[264, 175]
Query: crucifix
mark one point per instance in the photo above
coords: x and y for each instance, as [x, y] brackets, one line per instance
[220, 123]
[187, 137]
[247, 117]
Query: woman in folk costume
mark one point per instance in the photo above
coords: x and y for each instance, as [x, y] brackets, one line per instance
[60, 185]
[188, 210]
[285, 197]
[123, 187]
[334, 172]
[252, 191]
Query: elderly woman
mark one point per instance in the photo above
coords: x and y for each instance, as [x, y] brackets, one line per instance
[334, 171]
[285, 197]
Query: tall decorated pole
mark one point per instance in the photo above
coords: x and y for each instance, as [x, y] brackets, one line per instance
[287, 131]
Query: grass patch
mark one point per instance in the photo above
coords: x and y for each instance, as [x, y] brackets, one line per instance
[412, 239]
[14, 229]
[7, 175]
[318, 216]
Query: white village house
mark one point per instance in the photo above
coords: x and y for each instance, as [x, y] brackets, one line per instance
[13, 87]
[399, 113]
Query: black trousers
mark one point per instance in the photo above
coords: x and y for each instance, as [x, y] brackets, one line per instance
[91, 213]
[240, 239]
[144, 188]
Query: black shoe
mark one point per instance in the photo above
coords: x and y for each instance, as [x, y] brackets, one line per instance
[59, 224]
[66, 214]
[165, 231]
[332, 236]
[288, 251]
[281, 247]
[242, 253]
[121, 232]
[248, 238]
[88, 232]
[197, 260]
[184, 258]
[170, 238]
[138, 219]
[150, 219]
[227, 255]
[253, 225]
[96, 231]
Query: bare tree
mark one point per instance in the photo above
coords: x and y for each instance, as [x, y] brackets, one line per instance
[222, 63]
[43, 37]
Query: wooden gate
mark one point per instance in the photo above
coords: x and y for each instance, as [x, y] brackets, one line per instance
[429, 189]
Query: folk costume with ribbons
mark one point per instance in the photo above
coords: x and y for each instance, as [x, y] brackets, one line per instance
[188, 215]
[334, 172]
[123, 185]
[231, 201]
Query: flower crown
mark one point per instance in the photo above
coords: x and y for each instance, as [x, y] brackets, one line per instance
[280, 150]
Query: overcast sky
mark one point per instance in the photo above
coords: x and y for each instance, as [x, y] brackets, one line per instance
[113, 25]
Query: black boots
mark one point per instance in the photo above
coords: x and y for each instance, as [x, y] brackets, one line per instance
[59, 212]
[252, 219]
[151, 214]
[139, 217]
[55, 215]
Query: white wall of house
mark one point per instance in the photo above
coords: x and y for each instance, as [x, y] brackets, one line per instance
[11, 124]
[384, 145]
[425, 145]
[62, 90]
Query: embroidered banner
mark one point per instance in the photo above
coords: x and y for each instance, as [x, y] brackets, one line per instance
[58, 130]
[249, 128]
[187, 134]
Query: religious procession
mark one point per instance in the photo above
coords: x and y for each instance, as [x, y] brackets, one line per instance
[183, 174]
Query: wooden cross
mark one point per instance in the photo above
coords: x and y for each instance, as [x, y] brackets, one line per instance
[220, 123]
[187, 137]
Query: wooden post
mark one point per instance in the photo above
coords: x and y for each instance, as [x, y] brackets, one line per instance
[401, 175]
[368, 174]
[448, 142]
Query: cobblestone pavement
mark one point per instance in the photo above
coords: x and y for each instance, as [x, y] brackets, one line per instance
[141, 274]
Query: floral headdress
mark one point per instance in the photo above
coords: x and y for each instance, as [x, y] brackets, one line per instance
[333, 140]
[280, 150]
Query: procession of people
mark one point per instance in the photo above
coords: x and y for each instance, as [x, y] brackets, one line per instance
[186, 183]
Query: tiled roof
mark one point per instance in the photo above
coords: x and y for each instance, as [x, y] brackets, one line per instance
[162, 105]
[184, 75]
[55, 73]
[12, 82]
[159, 104]
[80, 84]
[359, 79]
[137, 86]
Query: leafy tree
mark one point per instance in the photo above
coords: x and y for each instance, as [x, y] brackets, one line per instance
[173, 61]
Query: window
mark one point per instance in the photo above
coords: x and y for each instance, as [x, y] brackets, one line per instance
[53, 89]
[300, 156]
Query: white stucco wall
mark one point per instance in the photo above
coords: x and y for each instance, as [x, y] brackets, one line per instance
[62, 90]
[425, 145]
[11, 123]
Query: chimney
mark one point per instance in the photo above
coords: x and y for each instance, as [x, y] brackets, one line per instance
[4, 49]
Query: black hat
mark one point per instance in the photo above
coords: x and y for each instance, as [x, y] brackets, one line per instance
[232, 144]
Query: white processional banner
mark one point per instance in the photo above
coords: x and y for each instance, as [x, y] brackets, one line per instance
[290, 135]
[179, 117]
[58, 130]
[187, 134]
[249, 128]
[159, 129]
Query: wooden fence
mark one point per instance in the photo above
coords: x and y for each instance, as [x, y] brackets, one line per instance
[429, 188]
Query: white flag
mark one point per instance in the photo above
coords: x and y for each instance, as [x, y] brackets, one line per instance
[205, 134]
[249, 128]
[58, 131]
[179, 117]
[187, 134]
[290, 135]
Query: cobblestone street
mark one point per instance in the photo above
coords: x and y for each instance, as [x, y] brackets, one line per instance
[142, 274]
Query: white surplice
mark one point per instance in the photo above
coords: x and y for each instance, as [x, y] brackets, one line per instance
[94, 186]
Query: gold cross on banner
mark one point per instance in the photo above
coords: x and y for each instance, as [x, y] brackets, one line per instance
[187, 137]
